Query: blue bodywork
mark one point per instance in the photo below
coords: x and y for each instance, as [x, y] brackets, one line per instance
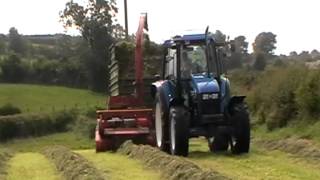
[199, 83]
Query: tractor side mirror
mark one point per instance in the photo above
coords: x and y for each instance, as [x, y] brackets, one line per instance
[232, 46]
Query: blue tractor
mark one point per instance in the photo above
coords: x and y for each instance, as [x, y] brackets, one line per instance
[192, 98]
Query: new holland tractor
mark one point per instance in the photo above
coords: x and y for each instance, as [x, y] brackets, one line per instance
[192, 98]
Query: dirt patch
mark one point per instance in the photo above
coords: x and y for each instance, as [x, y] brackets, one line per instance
[72, 165]
[299, 147]
[4, 157]
[172, 167]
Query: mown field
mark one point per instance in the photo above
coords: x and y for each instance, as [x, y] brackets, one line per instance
[37, 98]
[292, 152]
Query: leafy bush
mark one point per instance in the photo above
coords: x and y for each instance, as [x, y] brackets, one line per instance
[273, 98]
[9, 109]
[85, 126]
[308, 95]
[24, 125]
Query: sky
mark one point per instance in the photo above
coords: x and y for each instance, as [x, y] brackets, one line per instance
[295, 22]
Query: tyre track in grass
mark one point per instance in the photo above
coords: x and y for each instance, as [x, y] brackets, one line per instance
[31, 166]
[260, 163]
[119, 167]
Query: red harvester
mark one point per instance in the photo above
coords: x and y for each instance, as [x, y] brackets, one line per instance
[127, 116]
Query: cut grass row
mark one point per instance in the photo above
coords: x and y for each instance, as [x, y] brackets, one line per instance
[72, 165]
[171, 167]
[4, 157]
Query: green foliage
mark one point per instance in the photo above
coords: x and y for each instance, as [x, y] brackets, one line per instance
[12, 69]
[16, 43]
[95, 24]
[24, 125]
[284, 94]
[264, 43]
[9, 109]
[308, 95]
[85, 126]
[260, 62]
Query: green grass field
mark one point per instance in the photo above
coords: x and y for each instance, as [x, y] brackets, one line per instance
[258, 164]
[31, 166]
[36, 144]
[36, 98]
[120, 167]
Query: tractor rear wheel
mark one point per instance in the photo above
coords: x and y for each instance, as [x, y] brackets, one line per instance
[179, 131]
[161, 129]
[241, 123]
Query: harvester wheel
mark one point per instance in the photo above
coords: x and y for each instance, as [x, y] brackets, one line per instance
[161, 129]
[241, 123]
[179, 131]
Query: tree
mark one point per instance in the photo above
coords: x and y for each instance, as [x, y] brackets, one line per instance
[315, 54]
[2, 44]
[241, 45]
[240, 52]
[118, 32]
[16, 43]
[219, 37]
[260, 62]
[264, 43]
[12, 69]
[94, 21]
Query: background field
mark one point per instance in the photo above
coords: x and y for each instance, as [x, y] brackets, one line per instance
[37, 98]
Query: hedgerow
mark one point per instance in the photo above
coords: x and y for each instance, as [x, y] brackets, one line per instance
[25, 125]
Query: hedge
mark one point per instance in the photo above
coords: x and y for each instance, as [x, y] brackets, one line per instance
[24, 125]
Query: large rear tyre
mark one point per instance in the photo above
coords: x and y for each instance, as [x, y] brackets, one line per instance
[241, 123]
[161, 129]
[179, 131]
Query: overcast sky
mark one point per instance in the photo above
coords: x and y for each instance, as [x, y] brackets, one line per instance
[295, 22]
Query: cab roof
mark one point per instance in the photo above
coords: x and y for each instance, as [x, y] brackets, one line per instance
[191, 39]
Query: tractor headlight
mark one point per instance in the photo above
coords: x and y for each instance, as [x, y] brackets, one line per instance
[209, 96]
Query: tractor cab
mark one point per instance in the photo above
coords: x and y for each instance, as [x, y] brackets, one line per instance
[193, 98]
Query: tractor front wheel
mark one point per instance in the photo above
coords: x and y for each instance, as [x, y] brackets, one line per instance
[179, 131]
[161, 130]
[241, 124]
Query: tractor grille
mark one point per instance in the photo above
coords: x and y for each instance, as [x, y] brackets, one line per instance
[210, 106]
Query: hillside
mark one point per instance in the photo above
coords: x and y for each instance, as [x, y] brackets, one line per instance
[36, 98]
